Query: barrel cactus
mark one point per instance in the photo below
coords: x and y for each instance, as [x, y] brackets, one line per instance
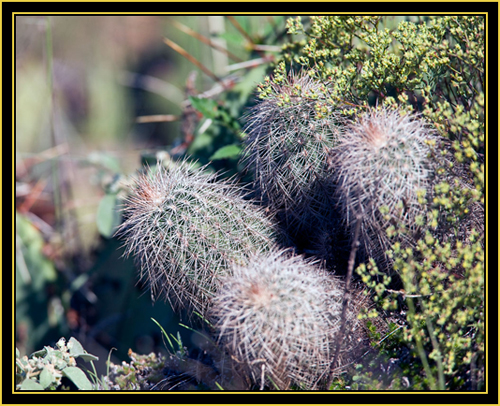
[382, 169]
[288, 136]
[278, 317]
[186, 229]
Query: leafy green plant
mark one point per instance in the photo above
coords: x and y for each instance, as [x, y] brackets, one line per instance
[44, 369]
[143, 372]
[35, 273]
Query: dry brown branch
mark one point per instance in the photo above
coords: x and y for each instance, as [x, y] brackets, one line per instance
[205, 40]
[191, 59]
[157, 118]
[345, 301]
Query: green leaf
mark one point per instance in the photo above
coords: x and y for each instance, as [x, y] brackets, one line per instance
[40, 353]
[46, 378]
[234, 38]
[30, 384]
[33, 269]
[78, 377]
[227, 152]
[207, 107]
[249, 82]
[75, 347]
[76, 350]
[87, 357]
[107, 218]
[20, 364]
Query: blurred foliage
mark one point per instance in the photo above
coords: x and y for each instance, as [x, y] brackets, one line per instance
[80, 139]
[37, 312]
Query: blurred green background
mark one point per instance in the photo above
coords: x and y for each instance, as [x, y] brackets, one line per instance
[96, 97]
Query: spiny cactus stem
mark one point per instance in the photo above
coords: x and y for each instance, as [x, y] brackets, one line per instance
[345, 301]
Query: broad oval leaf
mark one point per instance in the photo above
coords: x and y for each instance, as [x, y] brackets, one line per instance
[86, 357]
[46, 378]
[107, 217]
[78, 377]
[30, 384]
[75, 347]
[76, 350]
[40, 353]
[207, 107]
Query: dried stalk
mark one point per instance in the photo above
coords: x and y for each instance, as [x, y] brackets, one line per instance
[345, 301]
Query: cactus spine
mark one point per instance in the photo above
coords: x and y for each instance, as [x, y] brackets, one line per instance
[186, 230]
[289, 135]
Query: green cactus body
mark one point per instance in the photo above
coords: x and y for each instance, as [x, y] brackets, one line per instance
[381, 166]
[289, 134]
[186, 230]
[277, 317]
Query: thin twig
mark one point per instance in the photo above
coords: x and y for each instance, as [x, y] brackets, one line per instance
[205, 40]
[435, 345]
[35, 193]
[157, 118]
[152, 84]
[345, 302]
[55, 166]
[252, 63]
[262, 377]
[403, 293]
[237, 25]
[191, 59]
[226, 83]
[420, 348]
[269, 48]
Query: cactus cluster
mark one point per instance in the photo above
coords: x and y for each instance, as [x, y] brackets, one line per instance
[325, 179]
[277, 315]
[201, 245]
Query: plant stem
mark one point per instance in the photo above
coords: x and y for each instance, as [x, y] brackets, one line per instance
[50, 84]
[420, 347]
[345, 301]
[435, 345]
